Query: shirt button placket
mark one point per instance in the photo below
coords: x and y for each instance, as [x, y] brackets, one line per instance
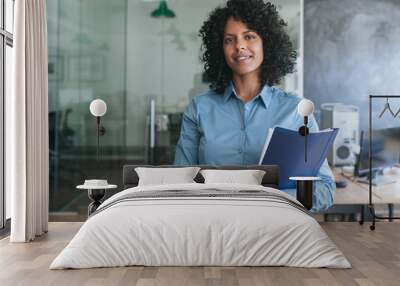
[243, 135]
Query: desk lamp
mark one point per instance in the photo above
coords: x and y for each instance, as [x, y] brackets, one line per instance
[98, 108]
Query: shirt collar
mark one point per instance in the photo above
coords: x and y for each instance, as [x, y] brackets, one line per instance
[265, 94]
[228, 92]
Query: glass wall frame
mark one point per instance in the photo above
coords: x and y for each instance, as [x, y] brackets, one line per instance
[6, 43]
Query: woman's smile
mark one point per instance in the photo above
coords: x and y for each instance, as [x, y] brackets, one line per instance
[242, 58]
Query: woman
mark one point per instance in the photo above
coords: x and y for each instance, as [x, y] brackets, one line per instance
[245, 52]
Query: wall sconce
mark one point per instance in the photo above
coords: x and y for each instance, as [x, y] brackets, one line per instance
[98, 108]
[305, 108]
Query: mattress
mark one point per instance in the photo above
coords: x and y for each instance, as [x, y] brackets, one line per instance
[201, 225]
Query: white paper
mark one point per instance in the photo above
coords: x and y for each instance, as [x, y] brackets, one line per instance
[267, 140]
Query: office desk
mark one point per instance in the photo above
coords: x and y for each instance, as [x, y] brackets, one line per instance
[356, 193]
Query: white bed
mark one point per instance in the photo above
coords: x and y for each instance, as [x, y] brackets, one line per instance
[236, 229]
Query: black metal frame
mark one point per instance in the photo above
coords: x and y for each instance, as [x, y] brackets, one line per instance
[370, 205]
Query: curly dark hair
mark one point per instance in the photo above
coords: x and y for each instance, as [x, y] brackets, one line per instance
[263, 18]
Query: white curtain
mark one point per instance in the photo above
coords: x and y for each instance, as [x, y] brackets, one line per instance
[27, 124]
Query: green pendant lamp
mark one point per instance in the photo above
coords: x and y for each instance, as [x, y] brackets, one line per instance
[163, 11]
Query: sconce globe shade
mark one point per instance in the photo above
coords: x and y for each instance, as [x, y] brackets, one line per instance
[98, 107]
[305, 107]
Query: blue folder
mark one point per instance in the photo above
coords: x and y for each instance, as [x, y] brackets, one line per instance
[286, 149]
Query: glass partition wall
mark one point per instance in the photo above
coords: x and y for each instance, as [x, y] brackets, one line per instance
[87, 60]
[144, 64]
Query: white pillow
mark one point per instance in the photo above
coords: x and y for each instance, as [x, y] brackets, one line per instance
[248, 177]
[164, 176]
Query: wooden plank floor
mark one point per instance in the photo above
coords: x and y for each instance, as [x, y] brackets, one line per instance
[375, 257]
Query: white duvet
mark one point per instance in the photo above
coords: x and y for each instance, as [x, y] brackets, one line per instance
[200, 231]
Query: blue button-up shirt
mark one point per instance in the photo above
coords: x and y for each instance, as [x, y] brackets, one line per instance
[221, 129]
